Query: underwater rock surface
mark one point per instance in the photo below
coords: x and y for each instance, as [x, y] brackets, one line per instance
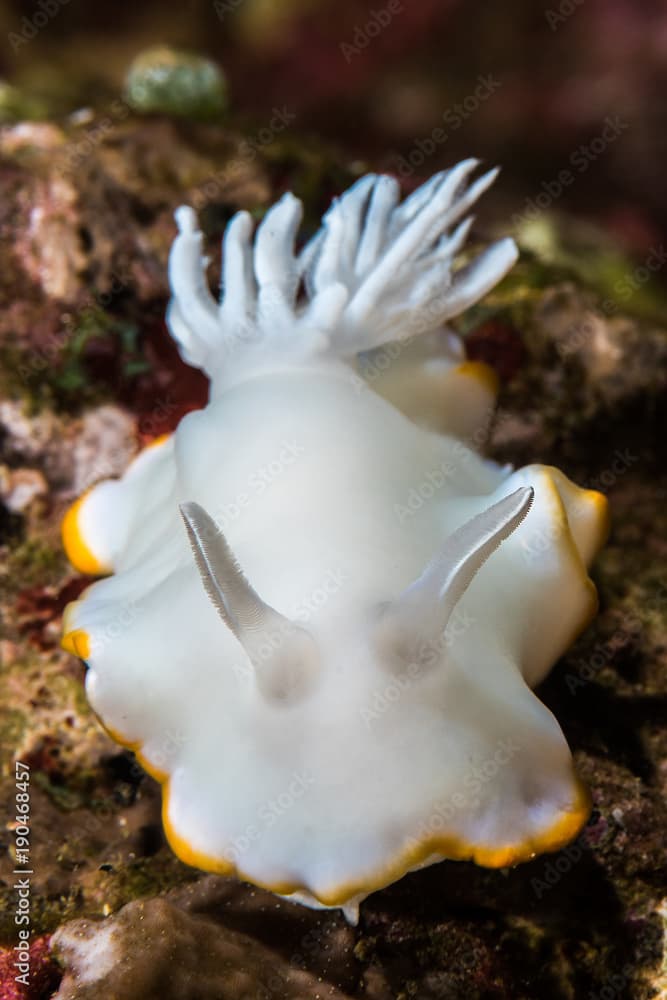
[156, 949]
[87, 376]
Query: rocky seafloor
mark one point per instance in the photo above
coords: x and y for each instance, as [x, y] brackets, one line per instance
[87, 376]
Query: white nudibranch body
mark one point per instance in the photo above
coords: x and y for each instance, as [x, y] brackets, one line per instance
[327, 611]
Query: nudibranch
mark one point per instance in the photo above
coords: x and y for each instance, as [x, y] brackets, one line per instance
[327, 611]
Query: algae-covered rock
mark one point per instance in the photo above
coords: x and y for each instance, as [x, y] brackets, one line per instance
[163, 80]
[88, 374]
[154, 949]
[86, 223]
[17, 106]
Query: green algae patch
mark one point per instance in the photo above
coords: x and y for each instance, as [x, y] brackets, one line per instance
[163, 80]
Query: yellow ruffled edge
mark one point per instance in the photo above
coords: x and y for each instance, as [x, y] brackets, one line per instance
[449, 848]
[481, 373]
[453, 848]
[601, 507]
[155, 443]
[77, 550]
[597, 500]
[446, 847]
[77, 641]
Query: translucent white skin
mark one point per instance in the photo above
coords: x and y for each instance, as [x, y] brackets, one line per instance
[333, 501]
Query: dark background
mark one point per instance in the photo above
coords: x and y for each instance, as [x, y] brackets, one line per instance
[559, 73]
